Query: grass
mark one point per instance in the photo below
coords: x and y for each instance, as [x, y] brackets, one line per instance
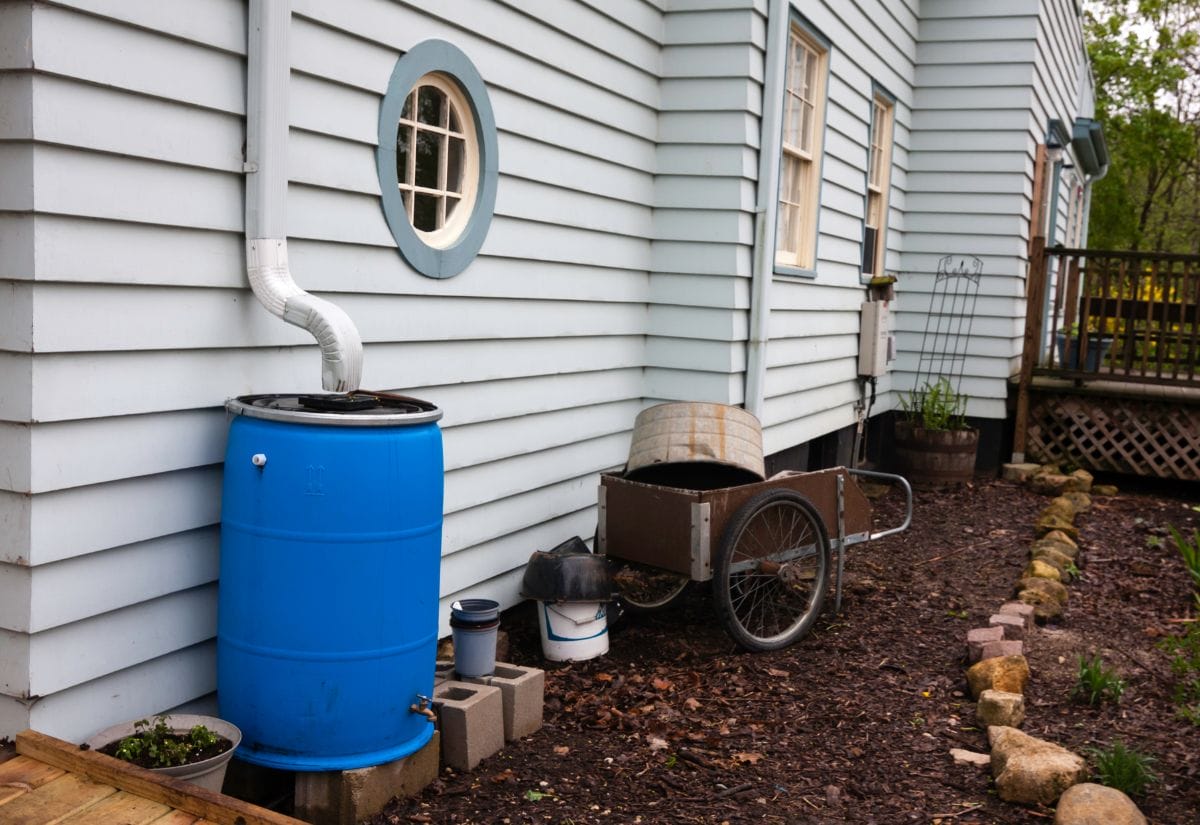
[1096, 683]
[1123, 768]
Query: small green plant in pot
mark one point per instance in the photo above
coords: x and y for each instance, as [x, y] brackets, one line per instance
[936, 407]
[194, 748]
[157, 745]
[935, 446]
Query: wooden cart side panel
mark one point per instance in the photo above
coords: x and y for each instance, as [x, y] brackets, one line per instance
[652, 524]
[647, 523]
[819, 487]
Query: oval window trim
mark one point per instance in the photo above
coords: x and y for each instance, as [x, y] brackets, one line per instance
[425, 252]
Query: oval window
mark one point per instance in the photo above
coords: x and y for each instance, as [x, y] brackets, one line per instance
[437, 159]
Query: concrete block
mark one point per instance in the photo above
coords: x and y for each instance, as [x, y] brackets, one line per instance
[443, 670]
[976, 638]
[522, 690]
[1013, 626]
[1025, 611]
[1004, 647]
[471, 719]
[348, 797]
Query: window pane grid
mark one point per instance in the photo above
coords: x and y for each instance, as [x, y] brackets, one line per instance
[878, 166]
[430, 154]
[802, 113]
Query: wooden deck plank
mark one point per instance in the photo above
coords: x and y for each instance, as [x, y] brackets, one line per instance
[55, 801]
[177, 818]
[21, 774]
[121, 808]
[23, 770]
[222, 810]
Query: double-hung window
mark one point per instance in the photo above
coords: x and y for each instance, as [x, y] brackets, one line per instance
[800, 165]
[879, 174]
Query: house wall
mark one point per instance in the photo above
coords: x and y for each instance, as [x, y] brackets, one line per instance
[812, 383]
[988, 80]
[703, 223]
[134, 322]
[974, 140]
[616, 273]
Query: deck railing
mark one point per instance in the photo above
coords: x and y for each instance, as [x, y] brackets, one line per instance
[1112, 318]
[1130, 317]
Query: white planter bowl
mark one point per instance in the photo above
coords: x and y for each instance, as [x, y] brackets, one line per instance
[208, 773]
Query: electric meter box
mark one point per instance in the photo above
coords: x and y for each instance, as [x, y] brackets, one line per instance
[874, 340]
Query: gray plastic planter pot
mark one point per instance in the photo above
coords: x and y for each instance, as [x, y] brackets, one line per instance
[208, 773]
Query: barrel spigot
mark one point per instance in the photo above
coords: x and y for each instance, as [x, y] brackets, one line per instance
[423, 707]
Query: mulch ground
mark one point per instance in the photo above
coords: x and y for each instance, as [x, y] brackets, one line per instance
[855, 722]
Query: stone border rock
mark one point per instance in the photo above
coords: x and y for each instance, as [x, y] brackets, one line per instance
[1027, 769]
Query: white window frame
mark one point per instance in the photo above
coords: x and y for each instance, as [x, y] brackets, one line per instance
[806, 77]
[449, 226]
[879, 179]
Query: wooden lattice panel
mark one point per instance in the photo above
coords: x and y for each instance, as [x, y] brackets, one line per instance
[1123, 435]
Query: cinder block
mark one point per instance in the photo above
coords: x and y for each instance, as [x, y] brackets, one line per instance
[1013, 626]
[471, 719]
[443, 670]
[976, 637]
[348, 797]
[1004, 647]
[522, 689]
[1025, 611]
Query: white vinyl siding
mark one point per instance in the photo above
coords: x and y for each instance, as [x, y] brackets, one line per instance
[988, 82]
[811, 383]
[536, 352]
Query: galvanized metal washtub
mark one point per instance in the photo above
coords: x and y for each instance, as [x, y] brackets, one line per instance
[693, 443]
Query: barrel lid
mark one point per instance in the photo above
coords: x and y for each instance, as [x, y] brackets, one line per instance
[354, 409]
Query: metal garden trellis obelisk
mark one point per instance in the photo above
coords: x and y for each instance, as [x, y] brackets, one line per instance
[949, 321]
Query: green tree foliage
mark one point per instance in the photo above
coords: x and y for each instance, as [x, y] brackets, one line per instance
[1146, 59]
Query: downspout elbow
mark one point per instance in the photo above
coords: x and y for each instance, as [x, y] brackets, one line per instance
[268, 72]
[335, 333]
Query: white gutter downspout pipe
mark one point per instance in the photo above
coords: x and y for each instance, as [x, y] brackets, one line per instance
[266, 198]
[765, 210]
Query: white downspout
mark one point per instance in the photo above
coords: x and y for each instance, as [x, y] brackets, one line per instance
[269, 68]
[763, 270]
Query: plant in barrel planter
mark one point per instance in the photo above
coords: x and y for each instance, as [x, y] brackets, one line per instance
[193, 748]
[935, 447]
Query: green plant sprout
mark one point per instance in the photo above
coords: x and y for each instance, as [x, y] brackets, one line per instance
[1189, 549]
[1096, 683]
[936, 407]
[161, 747]
[1123, 768]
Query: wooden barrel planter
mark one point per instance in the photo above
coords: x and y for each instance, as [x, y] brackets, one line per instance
[932, 459]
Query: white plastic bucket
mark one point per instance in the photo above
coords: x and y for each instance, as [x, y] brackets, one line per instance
[573, 631]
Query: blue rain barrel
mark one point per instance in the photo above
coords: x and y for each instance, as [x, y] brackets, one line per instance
[331, 526]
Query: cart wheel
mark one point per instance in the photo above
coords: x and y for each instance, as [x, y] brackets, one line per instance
[771, 570]
[643, 589]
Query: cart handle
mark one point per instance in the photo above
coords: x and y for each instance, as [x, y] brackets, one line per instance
[890, 478]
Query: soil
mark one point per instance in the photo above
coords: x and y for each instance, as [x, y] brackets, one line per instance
[855, 722]
[147, 761]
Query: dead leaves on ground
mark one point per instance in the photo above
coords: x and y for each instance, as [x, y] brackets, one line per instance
[669, 708]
